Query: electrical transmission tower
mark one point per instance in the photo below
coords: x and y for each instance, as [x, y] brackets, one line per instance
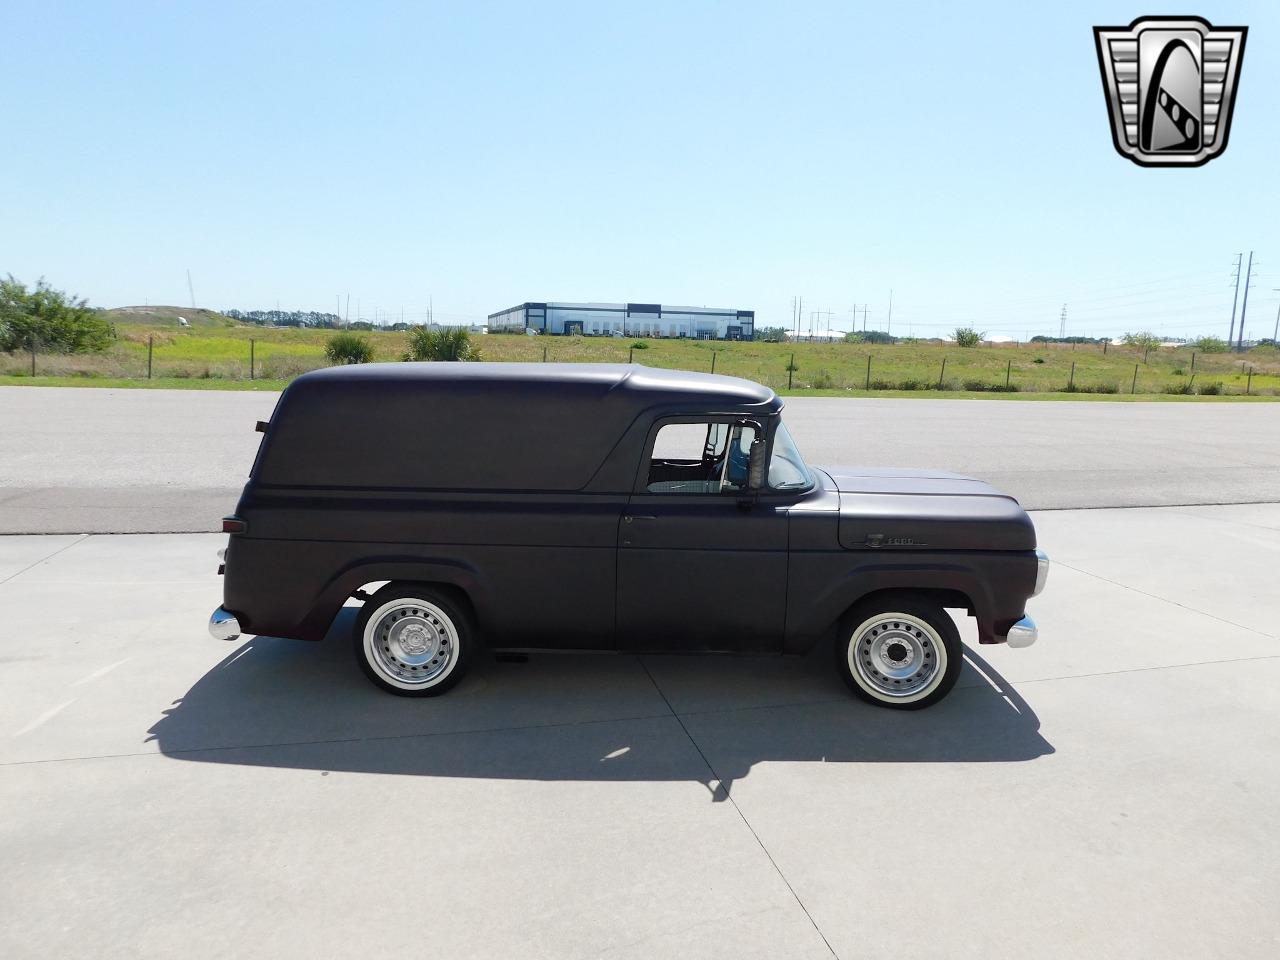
[1062, 323]
[1244, 307]
[1231, 334]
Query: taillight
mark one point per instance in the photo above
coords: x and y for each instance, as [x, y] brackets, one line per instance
[233, 525]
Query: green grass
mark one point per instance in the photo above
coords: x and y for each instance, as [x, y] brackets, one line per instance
[213, 356]
[157, 383]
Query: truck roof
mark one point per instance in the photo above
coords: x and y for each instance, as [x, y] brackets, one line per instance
[479, 426]
[649, 385]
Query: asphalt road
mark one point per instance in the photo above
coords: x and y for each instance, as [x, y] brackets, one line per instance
[1109, 792]
[112, 461]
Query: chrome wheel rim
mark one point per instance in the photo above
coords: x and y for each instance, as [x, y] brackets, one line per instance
[895, 656]
[411, 643]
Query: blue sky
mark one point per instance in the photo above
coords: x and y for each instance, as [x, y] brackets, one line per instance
[480, 155]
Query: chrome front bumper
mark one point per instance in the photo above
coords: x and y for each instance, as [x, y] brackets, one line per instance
[1022, 634]
[223, 625]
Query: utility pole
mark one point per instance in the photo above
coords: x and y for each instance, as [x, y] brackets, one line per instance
[1062, 323]
[864, 317]
[1231, 334]
[1276, 332]
[338, 297]
[889, 325]
[347, 321]
[799, 308]
[1244, 307]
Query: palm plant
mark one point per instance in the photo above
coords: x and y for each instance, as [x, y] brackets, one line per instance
[441, 343]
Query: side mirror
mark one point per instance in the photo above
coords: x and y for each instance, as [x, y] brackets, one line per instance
[756, 467]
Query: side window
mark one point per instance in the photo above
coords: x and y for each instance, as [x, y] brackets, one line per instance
[700, 458]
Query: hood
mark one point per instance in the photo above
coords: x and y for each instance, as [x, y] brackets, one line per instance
[892, 509]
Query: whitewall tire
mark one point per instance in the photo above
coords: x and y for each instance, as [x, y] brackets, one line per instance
[413, 641]
[899, 651]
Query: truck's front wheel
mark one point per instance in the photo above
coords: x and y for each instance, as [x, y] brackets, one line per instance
[900, 651]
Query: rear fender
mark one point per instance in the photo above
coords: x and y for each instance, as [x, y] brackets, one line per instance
[337, 591]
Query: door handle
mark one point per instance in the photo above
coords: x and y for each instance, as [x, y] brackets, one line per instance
[638, 516]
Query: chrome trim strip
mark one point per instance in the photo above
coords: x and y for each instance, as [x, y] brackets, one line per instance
[1042, 572]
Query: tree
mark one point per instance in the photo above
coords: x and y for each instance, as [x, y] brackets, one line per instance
[771, 334]
[1144, 340]
[348, 348]
[54, 320]
[968, 337]
[441, 343]
[869, 336]
[1211, 345]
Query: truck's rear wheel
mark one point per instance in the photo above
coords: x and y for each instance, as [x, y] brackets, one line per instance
[413, 641]
[899, 651]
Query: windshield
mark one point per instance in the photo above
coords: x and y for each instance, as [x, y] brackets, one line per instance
[787, 470]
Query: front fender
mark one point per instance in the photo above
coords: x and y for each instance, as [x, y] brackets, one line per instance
[990, 585]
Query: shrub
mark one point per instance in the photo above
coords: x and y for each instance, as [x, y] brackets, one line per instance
[1038, 360]
[639, 345]
[822, 381]
[441, 343]
[55, 321]
[348, 348]
[1211, 389]
[1211, 345]
[1180, 388]
[771, 334]
[883, 385]
[981, 386]
[911, 383]
[968, 337]
[1091, 388]
[1179, 372]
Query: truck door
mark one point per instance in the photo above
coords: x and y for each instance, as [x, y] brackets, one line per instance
[698, 569]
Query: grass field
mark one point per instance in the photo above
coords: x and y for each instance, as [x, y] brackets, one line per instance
[215, 353]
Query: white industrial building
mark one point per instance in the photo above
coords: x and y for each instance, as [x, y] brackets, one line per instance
[626, 320]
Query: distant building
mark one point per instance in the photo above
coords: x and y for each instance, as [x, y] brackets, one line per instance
[626, 320]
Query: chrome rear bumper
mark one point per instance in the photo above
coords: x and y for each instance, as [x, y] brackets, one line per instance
[1022, 634]
[223, 625]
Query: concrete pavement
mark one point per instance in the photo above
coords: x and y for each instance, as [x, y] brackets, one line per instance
[116, 461]
[1108, 792]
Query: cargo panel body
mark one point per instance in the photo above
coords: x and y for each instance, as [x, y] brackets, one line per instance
[521, 486]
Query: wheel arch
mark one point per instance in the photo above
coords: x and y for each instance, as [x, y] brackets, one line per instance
[947, 584]
[462, 581]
